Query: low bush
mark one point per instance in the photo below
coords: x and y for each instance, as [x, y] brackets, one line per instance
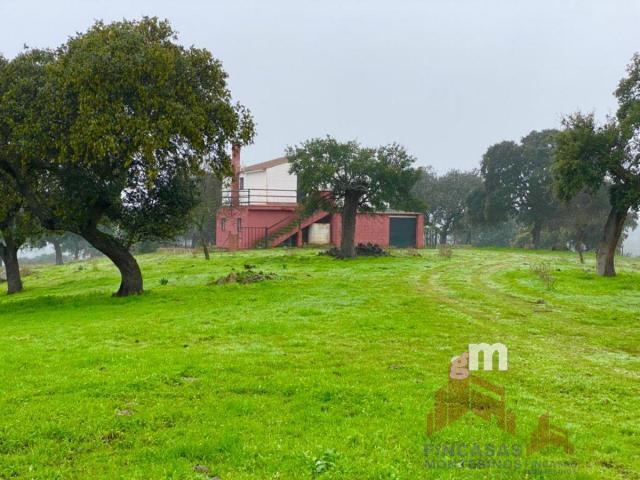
[248, 275]
[370, 250]
[445, 251]
[543, 271]
[362, 250]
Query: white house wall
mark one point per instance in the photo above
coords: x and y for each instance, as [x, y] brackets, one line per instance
[266, 184]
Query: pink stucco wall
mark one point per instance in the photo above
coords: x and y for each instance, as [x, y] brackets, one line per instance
[250, 217]
[373, 228]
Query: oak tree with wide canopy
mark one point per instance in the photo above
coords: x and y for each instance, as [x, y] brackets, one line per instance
[518, 182]
[445, 197]
[590, 156]
[111, 131]
[346, 177]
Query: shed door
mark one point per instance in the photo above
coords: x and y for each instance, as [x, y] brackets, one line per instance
[402, 232]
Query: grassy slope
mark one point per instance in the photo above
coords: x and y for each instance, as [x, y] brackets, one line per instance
[335, 361]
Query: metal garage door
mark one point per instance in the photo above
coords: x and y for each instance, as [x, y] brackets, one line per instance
[402, 232]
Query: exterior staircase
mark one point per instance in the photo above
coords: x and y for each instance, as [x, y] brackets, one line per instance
[281, 231]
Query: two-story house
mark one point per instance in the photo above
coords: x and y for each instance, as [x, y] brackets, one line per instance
[261, 209]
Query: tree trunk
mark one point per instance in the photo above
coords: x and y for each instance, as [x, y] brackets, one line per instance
[580, 255]
[535, 235]
[444, 233]
[205, 246]
[9, 254]
[349, 215]
[131, 276]
[58, 248]
[605, 259]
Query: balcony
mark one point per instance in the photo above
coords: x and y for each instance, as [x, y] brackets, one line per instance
[258, 196]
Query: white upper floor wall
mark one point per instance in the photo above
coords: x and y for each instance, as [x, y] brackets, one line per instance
[269, 182]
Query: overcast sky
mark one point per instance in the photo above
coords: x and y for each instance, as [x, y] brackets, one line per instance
[445, 78]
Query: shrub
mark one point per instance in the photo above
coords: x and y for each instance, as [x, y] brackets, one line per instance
[543, 271]
[371, 250]
[362, 250]
[248, 275]
[164, 281]
[324, 463]
[445, 251]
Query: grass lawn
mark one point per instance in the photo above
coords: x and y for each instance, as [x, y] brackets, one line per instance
[326, 372]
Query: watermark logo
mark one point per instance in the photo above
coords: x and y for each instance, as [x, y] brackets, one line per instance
[461, 364]
[466, 393]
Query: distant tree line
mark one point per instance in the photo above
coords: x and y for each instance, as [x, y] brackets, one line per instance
[577, 188]
[512, 200]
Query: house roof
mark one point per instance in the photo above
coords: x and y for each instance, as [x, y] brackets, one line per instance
[258, 167]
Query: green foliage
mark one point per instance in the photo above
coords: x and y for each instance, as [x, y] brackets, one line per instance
[328, 171]
[517, 180]
[583, 155]
[17, 224]
[347, 178]
[445, 198]
[590, 156]
[112, 130]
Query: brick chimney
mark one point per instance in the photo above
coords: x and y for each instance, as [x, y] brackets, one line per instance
[235, 179]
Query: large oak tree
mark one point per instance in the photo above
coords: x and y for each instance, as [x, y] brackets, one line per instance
[347, 178]
[112, 130]
[518, 182]
[591, 156]
[445, 197]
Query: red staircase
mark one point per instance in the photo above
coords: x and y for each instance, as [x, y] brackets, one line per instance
[284, 229]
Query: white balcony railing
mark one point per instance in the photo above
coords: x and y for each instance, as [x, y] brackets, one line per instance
[258, 196]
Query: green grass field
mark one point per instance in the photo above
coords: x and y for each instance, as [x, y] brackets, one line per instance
[326, 372]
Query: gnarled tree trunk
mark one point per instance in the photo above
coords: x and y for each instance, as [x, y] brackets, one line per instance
[605, 260]
[131, 276]
[349, 215]
[9, 254]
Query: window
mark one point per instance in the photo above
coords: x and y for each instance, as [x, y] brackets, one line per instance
[239, 224]
[241, 183]
[223, 224]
